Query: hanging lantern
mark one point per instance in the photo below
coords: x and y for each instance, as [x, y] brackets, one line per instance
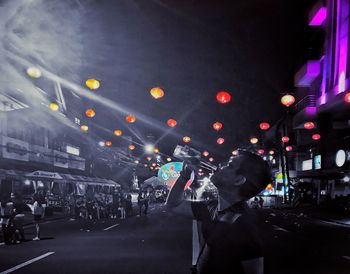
[84, 128]
[217, 126]
[316, 137]
[264, 126]
[33, 72]
[156, 150]
[220, 141]
[205, 153]
[131, 147]
[136, 161]
[285, 139]
[54, 107]
[261, 151]
[254, 140]
[168, 159]
[235, 152]
[130, 118]
[289, 148]
[92, 84]
[118, 132]
[172, 122]
[157, 93]
[347, 97]
[108, 143]
[309, 125]
[90, 113]
[271, 152]
[223, 97]
[149, 158]
[145, 165]
[288, 100]
[186, 139]
[211, 159]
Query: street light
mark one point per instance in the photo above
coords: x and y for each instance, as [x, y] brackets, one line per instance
[149, 148]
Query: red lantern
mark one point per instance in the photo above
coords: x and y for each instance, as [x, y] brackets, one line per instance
[130, 118]
[235, 152]
[309, 125]
[271, 152]
[264, 126]
[108, 143]
[261, 151]
[288, 100]
[316, 137]
[220, 141]
[211, 159]
[289, 148]
[90, 113]
[131, 147]
[223, 97]
[186, 139]
[172, 122]
[217, 126]
[347, 97]
[149, 158]
[285, 139]
[205, 153]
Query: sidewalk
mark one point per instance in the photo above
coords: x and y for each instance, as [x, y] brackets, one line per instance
[319, 212]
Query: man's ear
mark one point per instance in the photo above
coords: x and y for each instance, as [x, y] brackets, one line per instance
[239, 180]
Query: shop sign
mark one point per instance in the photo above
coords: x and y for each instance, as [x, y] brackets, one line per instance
[45, 174]
[15, 149]
[60, 159]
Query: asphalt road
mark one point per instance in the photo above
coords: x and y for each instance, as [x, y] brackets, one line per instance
[162, 243]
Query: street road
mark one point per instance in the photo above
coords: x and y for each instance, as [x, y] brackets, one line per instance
[162, 243]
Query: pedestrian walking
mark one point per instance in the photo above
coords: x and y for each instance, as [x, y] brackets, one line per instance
[6, 212]
[38, 211]
[142, 201]
[122, 204]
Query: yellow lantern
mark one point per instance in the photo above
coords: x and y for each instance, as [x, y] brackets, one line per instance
[90, 113]
[84, 128]
[155, 150]
[54, 107]
[254, 140]
[92, 84]
[131, 147]
[33, 72]
[130, 118]
[118, 132]
[157, 93]
[186, 139]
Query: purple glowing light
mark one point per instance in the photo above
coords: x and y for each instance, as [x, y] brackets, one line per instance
[319, 17]
[311, 110]
[307, 74]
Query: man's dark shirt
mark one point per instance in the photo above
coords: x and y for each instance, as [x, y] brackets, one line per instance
[227, 243]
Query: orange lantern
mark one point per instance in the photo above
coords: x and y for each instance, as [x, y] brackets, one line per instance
[90, 113]
[186, 139]
[220, 141]
[118, 132]
[217, 126]
[130, 118]
[157, 93]
[108, 143]
[131, 147]
[172, 122]
[288, 100]
[156, 150]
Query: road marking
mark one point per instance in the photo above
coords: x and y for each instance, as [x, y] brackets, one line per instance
[108, 228]
[195, 242]
[27, 263]
[275, 227]
[346, 257]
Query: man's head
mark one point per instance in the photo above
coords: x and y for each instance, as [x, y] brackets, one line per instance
[244, 176]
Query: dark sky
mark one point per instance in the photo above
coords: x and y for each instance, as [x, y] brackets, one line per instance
[192, 49]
